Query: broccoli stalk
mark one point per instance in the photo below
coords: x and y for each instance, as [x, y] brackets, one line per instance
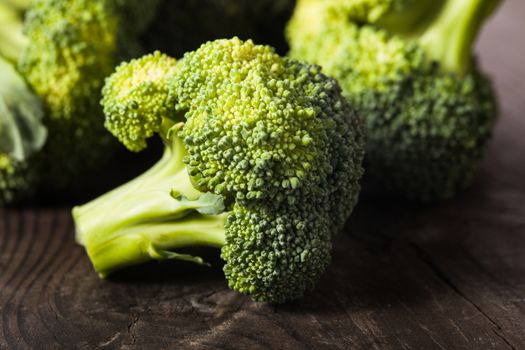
[450, 37]
[151, 216]
[445, 29]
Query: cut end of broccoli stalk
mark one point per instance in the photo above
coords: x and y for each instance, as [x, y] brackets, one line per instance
[150, 217]
[451, 35]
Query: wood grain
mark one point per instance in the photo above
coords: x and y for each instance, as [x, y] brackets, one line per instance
[450, 276]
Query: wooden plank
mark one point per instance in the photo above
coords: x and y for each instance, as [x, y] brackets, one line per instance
[450, 276]
[378, 293]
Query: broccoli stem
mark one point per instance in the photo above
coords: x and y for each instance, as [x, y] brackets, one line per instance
[411, 18]
[167, 175]
[20, 5]
[136, 244]
[12, 40]
[450, 36]
[151, 216]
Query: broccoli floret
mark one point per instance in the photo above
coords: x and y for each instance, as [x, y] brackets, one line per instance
[138, 95]
[22, 133]
[71, 41]
[408, 68]
[73, 46]
[263, 158]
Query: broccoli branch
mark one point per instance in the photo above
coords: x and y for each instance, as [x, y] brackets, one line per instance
[408, 17]
[450, 36]
[151, 216]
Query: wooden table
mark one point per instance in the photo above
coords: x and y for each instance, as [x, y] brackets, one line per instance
[449, 276]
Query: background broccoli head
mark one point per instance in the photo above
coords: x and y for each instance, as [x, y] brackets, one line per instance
[73, 45]
[267, 142]
[428, 116]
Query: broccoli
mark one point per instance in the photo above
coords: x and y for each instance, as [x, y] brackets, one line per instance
[262, 158]
[73, 46]
[22, 133]
[408, 68]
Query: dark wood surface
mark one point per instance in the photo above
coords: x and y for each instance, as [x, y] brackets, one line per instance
[448, 276]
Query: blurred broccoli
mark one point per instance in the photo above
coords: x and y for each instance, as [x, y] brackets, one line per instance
[64, 50]
[22, 133]
[408, 68]
[73, 46]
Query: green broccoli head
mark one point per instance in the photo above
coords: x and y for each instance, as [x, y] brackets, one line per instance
[74, 45]
[410, 73]
[266, 149]
[238, 149]
[136, 99]
[71, 46]
[70, 41]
